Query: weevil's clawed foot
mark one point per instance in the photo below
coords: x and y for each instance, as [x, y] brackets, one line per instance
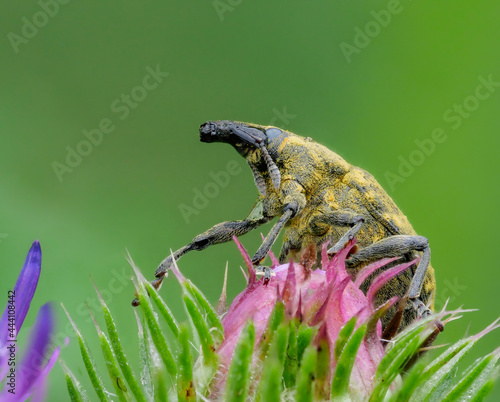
[156, 284]
[266, 271]
[424, 311]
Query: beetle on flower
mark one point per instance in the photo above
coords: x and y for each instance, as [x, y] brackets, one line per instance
[319, 197]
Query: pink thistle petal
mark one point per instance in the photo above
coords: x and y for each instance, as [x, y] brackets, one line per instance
[274, 260]
[325, 260]
[314, 298]
[255, 303]
[252, 275]
[290, 290]
[321, 311]
[298, 313]
[327, 298]
[385, 277]
[370, 269]
[336, 265]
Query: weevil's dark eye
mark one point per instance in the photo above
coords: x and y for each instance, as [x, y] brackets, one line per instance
[272, 133]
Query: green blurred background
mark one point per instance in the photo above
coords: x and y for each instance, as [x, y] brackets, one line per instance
[283, 63]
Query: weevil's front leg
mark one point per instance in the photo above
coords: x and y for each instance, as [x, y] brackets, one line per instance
[220, 233]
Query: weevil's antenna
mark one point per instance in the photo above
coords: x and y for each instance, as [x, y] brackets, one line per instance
[259, 180]
[271, 166]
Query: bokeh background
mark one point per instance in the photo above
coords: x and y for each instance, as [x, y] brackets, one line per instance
[303, 66]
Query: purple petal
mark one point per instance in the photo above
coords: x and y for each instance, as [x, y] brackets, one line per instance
[34, 356]
[26, 285]
[39, 387]
[23, 294]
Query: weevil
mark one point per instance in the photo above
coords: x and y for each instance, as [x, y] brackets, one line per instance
[317, 197]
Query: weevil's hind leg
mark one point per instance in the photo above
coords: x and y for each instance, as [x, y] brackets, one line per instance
[400, 245]
[394, 246]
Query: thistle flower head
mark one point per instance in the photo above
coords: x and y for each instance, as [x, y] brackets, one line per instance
[307, 334]
[326, 298]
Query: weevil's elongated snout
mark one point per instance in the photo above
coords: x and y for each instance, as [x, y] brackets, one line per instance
[242, 136]
[209, 132]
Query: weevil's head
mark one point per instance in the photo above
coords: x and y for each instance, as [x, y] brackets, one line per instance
[246, 138]
[253, 142]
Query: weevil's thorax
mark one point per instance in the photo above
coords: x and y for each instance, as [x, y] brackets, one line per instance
[308, 162]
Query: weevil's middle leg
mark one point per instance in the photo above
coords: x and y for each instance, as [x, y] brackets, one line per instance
[356, 222]
[271, 237]
[268, 243]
